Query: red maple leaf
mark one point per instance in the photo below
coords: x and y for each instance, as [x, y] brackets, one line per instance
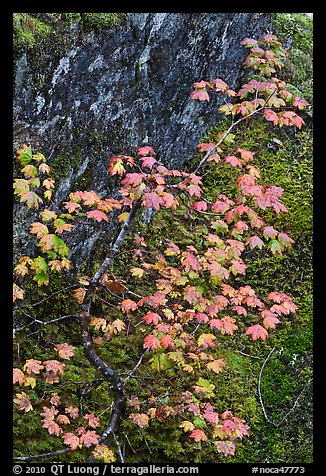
[201, 317]
[72, 206]
[152, 318]
[33, 366]
[151, 342]
[229, 325]
[65, 350]
[200, 94]
[18, 376]
[167, 341]
[52, 427]
[97, 215]
[255, 241]
[72, 411]
[225, 447]
[270, 320]
[93, 420]
[151, 199]
[133, 179]
[205, 146]
[216, 269]
[54, 366]
[200, 206]
[198, 435]
[89, 438]
[148, 161]
[299, 102]
[257, 332]
[72, 440]
[192, 295]
[239, 310]
[194, 190]
[145, 150]
[234, 161]
[216, 324]
[155, 301]
[141, 419]
[128, 305]
[116, 166]
[246, 155]
[238, 267]
[270, 232]
[270, 115]
[206, 340]
[190, 262]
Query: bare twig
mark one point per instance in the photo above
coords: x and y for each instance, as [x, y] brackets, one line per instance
[148, 447]
[53, 453]
[49, 297]
[137, 365]
[119, 448]
[42, 323]
[261, 399]
[248, 355]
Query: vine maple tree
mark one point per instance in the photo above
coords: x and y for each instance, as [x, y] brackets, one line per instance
[181, 320]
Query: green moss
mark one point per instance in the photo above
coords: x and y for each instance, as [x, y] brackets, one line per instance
[27, 32]
[72, 17]
[102, 21]
[295, 30]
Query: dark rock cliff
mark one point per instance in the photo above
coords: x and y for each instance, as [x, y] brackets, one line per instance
[109, 91]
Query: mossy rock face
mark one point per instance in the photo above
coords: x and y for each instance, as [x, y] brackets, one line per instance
[100, 21]
[284, 157]
[295, 30]
[30, 29]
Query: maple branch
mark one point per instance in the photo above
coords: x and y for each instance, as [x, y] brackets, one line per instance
[117, 387]
[53, 453]
[261, 399]
[116, 244]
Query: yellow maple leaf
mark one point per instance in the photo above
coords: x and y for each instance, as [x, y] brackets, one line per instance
[216, 365]
[79, 295]
[186, 425]
[123, 217]
[23, 402]
[137, 272]
[18, 293]
[104, 454]
[118, 325]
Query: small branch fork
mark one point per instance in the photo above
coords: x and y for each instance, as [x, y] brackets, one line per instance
[261, 399]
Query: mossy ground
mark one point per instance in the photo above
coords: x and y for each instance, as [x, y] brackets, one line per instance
[286, 163]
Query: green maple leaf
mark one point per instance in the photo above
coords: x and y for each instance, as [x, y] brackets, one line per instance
[42, 278]
[275, 246]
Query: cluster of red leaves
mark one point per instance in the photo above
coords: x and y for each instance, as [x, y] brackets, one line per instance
[222, 428]
[268, 94]
[51, 369]
[54, 421]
